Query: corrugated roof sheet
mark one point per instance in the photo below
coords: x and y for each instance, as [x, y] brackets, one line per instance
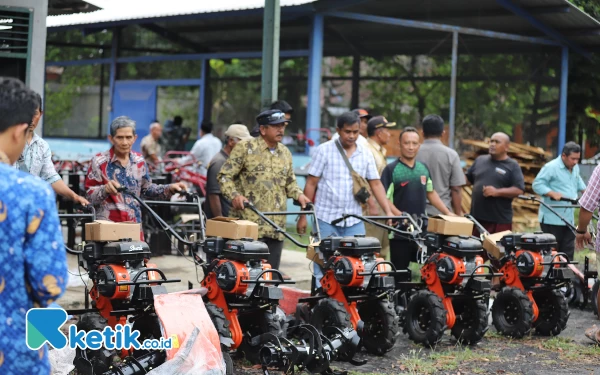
[114, 10]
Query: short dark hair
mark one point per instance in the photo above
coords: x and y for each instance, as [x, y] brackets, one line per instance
[433, 126]
[9, 82]
[570, 148]
[206, 126]
[347, 118]
[177, 120]
[17, 106]
[283, 106]
[39, 101]
[408, 129]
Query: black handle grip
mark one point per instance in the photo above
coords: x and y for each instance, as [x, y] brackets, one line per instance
[573, 201]
[309, 206]
[337, 221]
[526, 197]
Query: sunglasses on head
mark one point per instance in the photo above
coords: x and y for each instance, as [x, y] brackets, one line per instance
[274, 117]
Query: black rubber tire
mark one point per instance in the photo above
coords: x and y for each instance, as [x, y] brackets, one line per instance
[381, 326]
[594, 297]
[425, 318]
[149, 327]
[572, 292]
[228, 363]
[275, 323]
[221, 324]
[512, 313]
[330, 313]
[218, 319]
[97, 361]
[553, 312]
[472, 318]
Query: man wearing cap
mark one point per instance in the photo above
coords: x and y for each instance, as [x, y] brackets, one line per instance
[281, 105]
[362, 136]
[260, 171]
[216, 204]
[379, 136]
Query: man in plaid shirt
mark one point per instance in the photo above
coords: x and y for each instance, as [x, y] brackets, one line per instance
[330, 181]
[589, 202]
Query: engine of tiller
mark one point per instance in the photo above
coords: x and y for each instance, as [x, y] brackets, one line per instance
[122, 286]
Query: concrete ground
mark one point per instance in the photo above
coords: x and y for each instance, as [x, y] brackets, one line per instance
[293, 263]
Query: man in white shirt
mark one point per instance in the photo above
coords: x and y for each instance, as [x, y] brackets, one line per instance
[205, 148]
[362, 136]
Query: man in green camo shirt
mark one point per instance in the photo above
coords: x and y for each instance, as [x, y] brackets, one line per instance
[260, 171]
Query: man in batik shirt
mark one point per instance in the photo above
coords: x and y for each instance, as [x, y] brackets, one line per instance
[33, 263]
[118, 167]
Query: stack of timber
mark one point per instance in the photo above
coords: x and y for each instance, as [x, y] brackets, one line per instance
[531, 159]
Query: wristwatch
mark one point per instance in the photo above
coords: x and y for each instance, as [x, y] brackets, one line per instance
[580, 231]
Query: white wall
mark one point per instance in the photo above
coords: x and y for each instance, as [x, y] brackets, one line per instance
[37, 68]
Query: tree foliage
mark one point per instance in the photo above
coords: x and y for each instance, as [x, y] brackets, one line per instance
[584, 88]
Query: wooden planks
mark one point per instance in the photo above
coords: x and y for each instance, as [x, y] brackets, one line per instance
[531, 159]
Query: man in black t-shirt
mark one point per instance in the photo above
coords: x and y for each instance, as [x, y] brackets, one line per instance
[408, 185]
[497, 180]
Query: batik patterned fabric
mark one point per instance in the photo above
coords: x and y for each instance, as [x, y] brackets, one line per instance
[33, 265]
[134, 177]
[36, 159]
[266, 177]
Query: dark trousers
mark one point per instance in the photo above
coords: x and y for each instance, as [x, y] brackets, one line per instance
[491, 227]
[565, 239]
[275, 250]
[402, 252]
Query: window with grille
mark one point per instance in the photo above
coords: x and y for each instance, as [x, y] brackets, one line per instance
[16, 28]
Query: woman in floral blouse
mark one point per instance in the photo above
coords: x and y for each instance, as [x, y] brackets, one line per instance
[36, 159]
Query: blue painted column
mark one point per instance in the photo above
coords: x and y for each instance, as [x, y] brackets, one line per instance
[453, 89]
[564, 83]
[201, 93]
[315, 59]
[114, 53]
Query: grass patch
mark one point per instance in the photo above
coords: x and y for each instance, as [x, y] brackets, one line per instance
[289, 245]
[414, 363]
[566, 348]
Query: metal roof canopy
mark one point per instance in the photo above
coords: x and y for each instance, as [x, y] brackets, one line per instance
[233, 30]
[370, 28]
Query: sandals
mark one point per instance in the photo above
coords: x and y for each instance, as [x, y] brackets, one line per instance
[593, 334]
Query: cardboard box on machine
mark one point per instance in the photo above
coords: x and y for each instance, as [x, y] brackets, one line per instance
[231, 228]
[492, 246]
[450, 225]
[105, 230]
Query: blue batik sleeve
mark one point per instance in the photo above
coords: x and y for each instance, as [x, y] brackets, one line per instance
[43, 249]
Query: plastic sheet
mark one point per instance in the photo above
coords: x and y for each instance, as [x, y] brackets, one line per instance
[196, 345]
[186, 361]
[61, 361]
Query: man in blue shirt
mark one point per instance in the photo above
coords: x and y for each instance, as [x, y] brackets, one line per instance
[560, 178]
[33, 264]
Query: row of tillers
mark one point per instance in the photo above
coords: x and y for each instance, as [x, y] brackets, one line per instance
[363, 302]
[365, 292]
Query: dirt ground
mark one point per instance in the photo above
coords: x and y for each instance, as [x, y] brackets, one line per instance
[569, 353]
